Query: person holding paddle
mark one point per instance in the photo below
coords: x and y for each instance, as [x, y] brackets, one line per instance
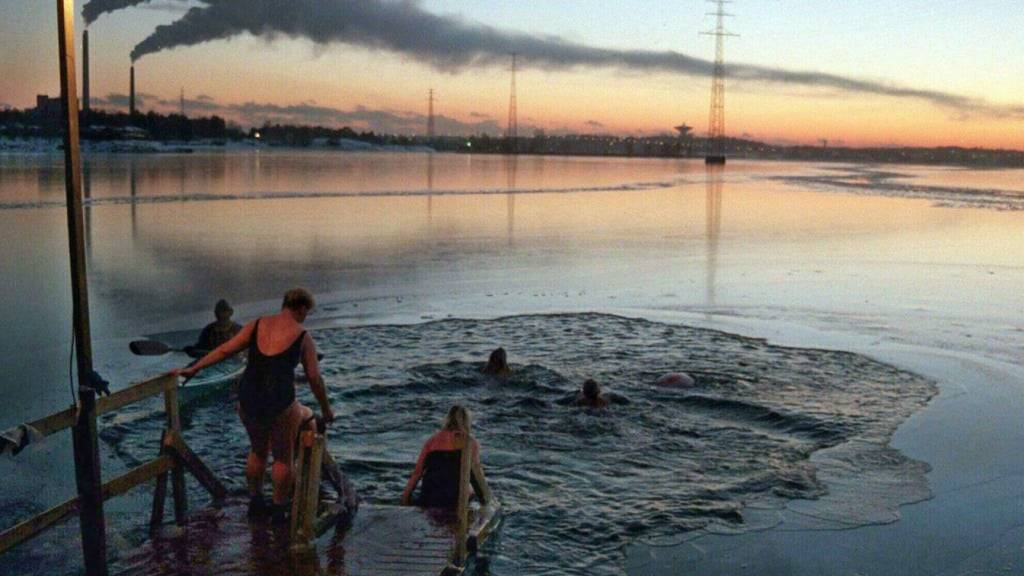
[220, 331]
[266, 395]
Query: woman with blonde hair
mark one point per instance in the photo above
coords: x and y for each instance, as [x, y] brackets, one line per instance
[439, 462]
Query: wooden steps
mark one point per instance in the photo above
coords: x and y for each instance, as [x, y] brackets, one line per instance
[396, 541]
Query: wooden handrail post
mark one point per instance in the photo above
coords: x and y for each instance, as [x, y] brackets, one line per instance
[156, 516]
[87, 462]
[178, 472]
[305, 500]
[90, 486]
[462, 507]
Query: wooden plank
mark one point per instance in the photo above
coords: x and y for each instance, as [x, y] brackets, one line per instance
[136, 476]
[325, 521]
[307, 491]
[462, 507]
[29, 528]
[396, 540]
[488, 519]
[88, 477]
[178, 493]
[54, 423]
[156, 517]
[135, 393]
[481, 482]
[333, 473]
[195, 466]
[90, 485]
[33, 526]
[49, 425]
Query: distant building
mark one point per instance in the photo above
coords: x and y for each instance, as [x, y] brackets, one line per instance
[48, 112]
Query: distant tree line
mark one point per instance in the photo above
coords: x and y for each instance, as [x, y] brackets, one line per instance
[45, 121]
[292, 135]
[104, 125]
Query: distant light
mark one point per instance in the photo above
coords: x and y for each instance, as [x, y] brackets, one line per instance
[256, 135]
[469, 144]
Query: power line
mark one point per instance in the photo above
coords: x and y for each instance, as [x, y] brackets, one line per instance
[716, 118]
[512, 132]
[430, 116]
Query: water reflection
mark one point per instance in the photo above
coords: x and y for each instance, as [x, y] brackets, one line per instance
[511, 170]
[430, 189]
[133, 191]
[712, 229]
[87, 209]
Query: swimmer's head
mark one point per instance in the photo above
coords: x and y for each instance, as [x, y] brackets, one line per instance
[457, 419]
[676, 380]
[498, 360]
[591, 389]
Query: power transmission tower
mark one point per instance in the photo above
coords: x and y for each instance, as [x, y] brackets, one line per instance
[183, 101]
[513, 115]
[716, 120]
[430, 117]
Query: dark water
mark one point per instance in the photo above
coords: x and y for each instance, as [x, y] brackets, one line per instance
[578, 485]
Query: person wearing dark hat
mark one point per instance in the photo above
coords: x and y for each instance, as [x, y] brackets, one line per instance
[220, 331]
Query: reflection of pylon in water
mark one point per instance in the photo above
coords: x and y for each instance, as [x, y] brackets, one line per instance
[716, 119]
[431, 133]
[512, 133]
[511, 168]
[430, 189]
[133, 191]
[712, 230]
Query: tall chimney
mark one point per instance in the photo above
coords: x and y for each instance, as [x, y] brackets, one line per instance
[131, 94]
[85, 71]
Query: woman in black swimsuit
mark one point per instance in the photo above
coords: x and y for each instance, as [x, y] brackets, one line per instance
[266, 396]
[439, 463]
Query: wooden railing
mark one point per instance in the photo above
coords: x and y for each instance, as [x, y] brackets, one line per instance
[468, 535]
[174, 460]
[309, 520]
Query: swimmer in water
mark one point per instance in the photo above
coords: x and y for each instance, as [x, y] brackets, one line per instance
[497, 364]
[676, 380]
[590, 395]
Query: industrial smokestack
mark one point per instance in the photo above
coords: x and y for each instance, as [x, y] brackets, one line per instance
[85, 71]
[131, 94]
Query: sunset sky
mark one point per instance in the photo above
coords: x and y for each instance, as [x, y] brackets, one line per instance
[958, 66]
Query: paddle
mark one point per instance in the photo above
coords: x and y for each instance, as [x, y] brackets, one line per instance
[157, 348]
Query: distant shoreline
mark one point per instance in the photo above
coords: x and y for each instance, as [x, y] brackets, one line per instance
[978, 158]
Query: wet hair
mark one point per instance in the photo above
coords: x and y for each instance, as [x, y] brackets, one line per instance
[297, 298]
[591, 389]
[457, 419]
[497, 361]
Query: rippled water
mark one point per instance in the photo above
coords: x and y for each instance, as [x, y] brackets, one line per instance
[577, 484]
[882, 256]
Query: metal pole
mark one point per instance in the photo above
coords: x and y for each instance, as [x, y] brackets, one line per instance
[87, 462]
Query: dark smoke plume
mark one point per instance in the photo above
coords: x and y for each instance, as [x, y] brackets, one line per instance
[307, 113]
[449, 43]
[95, 8]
